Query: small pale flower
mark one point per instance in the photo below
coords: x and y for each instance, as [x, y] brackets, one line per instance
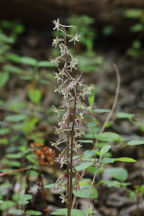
[63, 198]
[73, 63]
[57, 25]
[56, 41]
[75, 38]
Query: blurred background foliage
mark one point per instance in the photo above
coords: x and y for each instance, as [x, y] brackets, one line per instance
[27, 82]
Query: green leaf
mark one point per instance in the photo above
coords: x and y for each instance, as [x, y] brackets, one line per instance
[85, 192]
[35, 95]
[83, 166]
[107, 30]
[50, 186]
[105, 149]
[6, 185]
[125, 159]
[14, 58]
[110, 183]
[136, 142]
[107, 160]
[101, 110]
[133, 13]
[15, 118]
[89, 211]
[32, 212]
[1, 201]
[16, 211]
[118, 173]
[74, 212]
[4, 131]
[136, 44]
[137, 28]
[24, 199]
[91, 99]
[29, 125]
[108, 136]
[4, 77]
[12, 69]
[15, 156]
[6, 205]
[28, 61]
[45, 64]
[11, 163]
[124, 115]
[4, 141]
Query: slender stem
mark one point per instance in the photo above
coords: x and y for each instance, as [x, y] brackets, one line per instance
[71, 154]
[68, 134]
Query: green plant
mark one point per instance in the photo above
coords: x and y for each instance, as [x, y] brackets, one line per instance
[136, 49]
[77, 126]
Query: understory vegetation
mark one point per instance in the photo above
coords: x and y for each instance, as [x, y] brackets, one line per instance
[66, 141]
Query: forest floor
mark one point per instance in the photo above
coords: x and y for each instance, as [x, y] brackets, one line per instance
[112, 201]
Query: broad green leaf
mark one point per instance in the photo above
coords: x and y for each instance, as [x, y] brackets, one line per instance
[35, 95]
[136, 142]
[108, 136]
[83, 166]
[118, 173]
[15, 211]
[85, 192]
[125, 159]
[28, 61]
[15, 118]
[123, 115]
[63, 212]
[6, 205]
[105, 149]
[45, 64]
[32, 212]
[4, 77]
